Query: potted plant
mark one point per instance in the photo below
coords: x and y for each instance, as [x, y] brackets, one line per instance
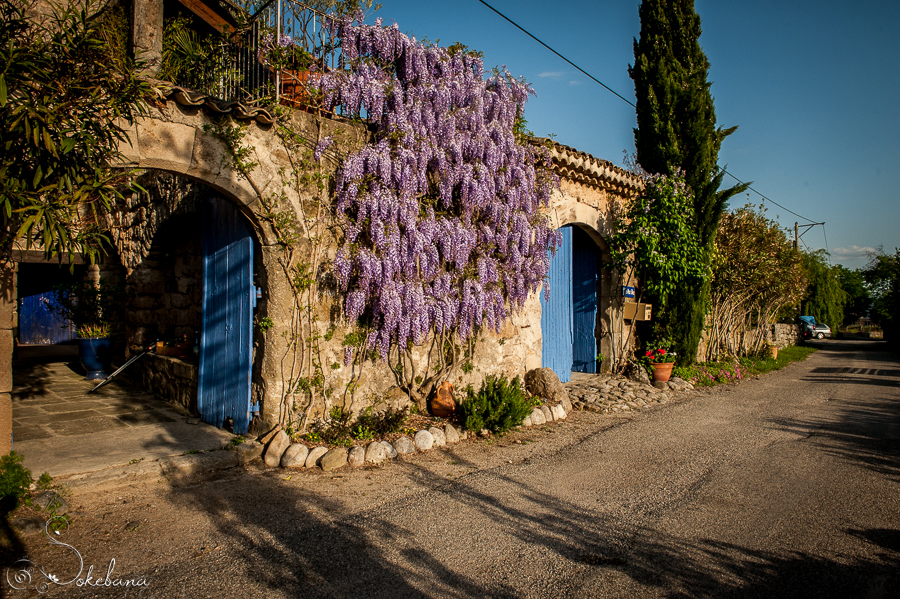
[89, 306]
[296, 65]
[660, 360]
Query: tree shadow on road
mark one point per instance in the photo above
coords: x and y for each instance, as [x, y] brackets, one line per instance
[489, 534]
[862, 432]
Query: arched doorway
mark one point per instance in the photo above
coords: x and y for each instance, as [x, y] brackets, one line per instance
[190, 265]
[569, 318]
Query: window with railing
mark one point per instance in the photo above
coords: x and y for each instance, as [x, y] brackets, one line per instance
[275, 55]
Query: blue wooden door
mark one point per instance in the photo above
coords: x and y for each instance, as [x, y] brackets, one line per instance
[585, 273]
[39, 324]
[556, 313]
[228, 300]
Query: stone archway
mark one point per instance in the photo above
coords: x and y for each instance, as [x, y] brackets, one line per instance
[178, 139]
[591, 190]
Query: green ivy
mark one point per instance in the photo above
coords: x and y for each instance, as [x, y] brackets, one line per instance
[656, 238]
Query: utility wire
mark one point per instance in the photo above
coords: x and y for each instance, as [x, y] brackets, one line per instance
[520, 28]
[627, 101]
[767, 198]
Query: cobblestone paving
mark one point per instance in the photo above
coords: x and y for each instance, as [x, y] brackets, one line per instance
[608, 394]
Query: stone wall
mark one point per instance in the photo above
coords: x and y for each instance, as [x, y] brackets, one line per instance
[8, 323]
[166, 288]
[782, 334]
[156, 235]
[170, 378]
[178, 137]
[785, 334]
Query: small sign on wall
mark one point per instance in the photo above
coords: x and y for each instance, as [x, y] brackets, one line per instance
[628, 291]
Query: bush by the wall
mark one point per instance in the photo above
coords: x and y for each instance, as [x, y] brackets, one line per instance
[498, 406]
[15, 479]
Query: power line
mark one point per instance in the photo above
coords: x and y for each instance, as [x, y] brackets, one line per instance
[627, 101]
[520, 28]
[767, 198]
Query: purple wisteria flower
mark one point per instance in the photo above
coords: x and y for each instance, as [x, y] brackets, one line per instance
[442, 212]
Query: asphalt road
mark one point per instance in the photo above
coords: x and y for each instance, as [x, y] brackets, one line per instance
[785, 486]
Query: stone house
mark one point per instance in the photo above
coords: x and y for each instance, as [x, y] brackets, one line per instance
[201, 258]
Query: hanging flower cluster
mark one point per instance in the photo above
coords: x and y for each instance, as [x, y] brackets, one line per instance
[442, 213]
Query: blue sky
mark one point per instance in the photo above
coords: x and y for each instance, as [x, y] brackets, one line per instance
[814, 86]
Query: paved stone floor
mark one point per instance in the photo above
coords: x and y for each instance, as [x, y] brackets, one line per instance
[52, 399]
[62, 428]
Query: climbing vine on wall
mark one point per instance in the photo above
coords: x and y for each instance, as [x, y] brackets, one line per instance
[444, 231]
[656, 240]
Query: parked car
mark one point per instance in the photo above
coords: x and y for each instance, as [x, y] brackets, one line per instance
[820, 331]
[810, 328]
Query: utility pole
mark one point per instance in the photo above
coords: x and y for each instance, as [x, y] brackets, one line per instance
[797, 234]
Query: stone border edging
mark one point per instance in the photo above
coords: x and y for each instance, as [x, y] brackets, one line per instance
[605, 394]
[281, 453]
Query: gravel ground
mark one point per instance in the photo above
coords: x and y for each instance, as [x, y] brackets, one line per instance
[786, 485]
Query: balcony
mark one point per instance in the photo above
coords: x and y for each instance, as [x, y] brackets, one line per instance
[274, 56]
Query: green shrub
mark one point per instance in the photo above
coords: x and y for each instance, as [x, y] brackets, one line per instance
[383, 423]
[498, 406]
[14, 481]
[362, 433]
[341, 426]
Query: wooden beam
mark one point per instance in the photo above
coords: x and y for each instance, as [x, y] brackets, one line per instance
[199, 8]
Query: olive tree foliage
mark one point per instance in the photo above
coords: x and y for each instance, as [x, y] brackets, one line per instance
[66, 99]
[656, 241]
[756, 272]
[883, 276]
[825, 297]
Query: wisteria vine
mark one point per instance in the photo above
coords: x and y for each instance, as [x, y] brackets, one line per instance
[444, 231]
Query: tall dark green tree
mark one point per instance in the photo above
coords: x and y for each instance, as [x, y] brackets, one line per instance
[677, 131]
[859, 298]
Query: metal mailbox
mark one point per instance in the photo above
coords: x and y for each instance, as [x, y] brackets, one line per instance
[635, 311]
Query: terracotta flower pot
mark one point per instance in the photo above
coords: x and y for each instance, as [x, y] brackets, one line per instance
[295, 87]
[442, 404]
[662, 371]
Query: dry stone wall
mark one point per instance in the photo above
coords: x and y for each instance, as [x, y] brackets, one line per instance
[782, 334]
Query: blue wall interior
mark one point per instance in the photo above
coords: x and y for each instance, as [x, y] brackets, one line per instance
[39, 324]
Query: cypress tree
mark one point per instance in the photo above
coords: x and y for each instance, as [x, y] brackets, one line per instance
[677, 130]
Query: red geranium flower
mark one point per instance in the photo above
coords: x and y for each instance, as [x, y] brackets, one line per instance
[649, 354]
[661, 351]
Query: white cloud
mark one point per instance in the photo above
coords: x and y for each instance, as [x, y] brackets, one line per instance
[853, 252]
[573, 82]
[551, 74]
